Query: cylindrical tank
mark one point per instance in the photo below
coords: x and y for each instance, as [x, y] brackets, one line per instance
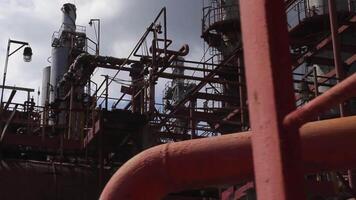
[59, 67]
[60, 52]
[69, 17]
[45, 91]
[178, 83]
[320, 7]
[230, 9]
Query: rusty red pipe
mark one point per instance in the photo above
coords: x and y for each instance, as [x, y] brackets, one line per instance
[332, 97]
[276, 148]
[327, 145]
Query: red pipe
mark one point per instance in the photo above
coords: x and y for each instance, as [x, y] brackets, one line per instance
[335, 37]
[152, 174]
[276, 148]
[332, 97]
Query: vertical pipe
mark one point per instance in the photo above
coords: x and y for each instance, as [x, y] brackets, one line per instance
[142, 100]
[276, 147]
[5, 70]
[316, 88]
[306, 8]
[153, 72]
[101, 153]
[340, 74]
[242, 92]
[98, 50]
[106, 92]
[298, 10]
[44, 123]
[165, 33]
[70, 121]
[191, 116]
[151, 99]
[145, 98]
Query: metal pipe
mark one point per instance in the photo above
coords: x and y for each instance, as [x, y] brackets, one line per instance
[340, 74]
[192, 122]
[70, 120]
[276, 148]
[106, 92]
[332, 97]
[197, 163]
[316, 88]
[242, 92]
[183, 51]
[101, 159]
[98, 50]
[5, 71]
[154, 68]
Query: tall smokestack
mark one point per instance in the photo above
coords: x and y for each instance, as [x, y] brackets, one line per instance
[61, 43]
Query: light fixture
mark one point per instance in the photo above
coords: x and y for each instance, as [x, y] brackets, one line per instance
[27, 54]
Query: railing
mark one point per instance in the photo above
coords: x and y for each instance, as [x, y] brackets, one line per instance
[58, 34]
[91, 46]
[310, 85]
[218, 12]
[302, 9]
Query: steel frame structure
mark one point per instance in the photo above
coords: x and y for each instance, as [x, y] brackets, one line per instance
[269, 88]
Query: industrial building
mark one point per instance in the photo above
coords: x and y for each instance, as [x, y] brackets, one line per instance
[267, 113]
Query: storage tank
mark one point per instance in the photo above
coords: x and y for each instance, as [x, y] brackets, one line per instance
[45, 90]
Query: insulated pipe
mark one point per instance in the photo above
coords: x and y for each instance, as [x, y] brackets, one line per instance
[152, 174]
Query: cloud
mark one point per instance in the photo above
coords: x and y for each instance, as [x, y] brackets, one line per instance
[103, 9]
[122, 23]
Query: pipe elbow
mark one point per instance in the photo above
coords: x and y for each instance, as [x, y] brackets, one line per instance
[197, 163]
[178, 166]
[143, 172]
[184, 50]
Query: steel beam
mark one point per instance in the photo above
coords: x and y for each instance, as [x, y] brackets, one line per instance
[215, 97]
[198, 87]
[340, 73]
[323, 43]
[196, 78]
[12, 95]
[276, 148]
[8, 122]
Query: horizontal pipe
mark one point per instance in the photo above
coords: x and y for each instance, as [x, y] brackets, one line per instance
[183, 51]
[152, 174]
[332, 97]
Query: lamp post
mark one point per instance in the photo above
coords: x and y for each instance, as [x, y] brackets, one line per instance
[97, 34]
[27, 56]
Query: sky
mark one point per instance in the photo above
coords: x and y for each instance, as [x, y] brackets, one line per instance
[122, 24]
